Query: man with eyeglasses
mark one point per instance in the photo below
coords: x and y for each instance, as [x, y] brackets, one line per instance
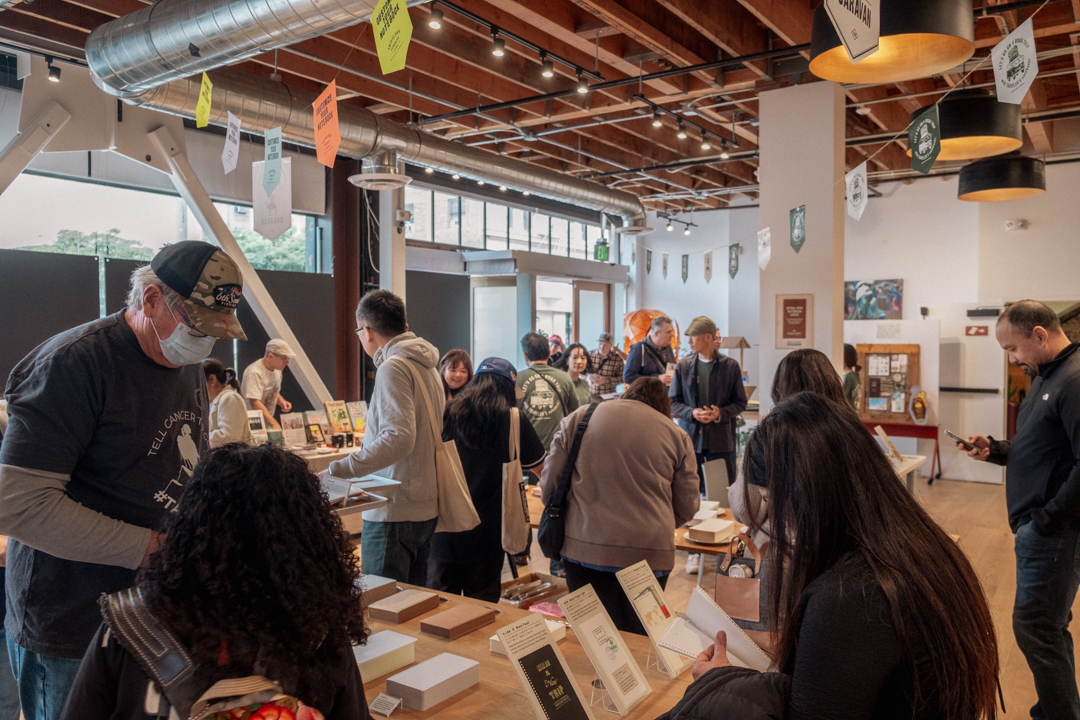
[106, 423]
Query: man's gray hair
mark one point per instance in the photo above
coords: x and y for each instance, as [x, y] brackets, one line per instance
[144, 277]
[658, 322]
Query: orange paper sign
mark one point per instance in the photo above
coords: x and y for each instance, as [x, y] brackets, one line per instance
[327, 133]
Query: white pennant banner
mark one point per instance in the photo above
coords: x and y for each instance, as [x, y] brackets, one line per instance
[231, 152]
[708, 266]
[272, 215]
[1015, 64]
[764, 247]
[857, 192]
[665, 266]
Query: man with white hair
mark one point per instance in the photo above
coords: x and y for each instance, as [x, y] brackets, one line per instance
[102, 419]
[261, 386]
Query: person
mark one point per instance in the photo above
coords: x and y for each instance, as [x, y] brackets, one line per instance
[1042, 491]
[556, 352]
[106, 422]
[479, 423]
[398, 442]
[245, 592]
[456, 371]
[634, 482]
[549, 394]
[9, 688]
[578, 365]
[852, 378]
[882, 615]
[607, 367]
[653, 355]
[261, 386]
[228, 411]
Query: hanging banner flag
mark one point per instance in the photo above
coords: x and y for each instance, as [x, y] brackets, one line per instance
[202, 108]
[708, 267]
[664, 265]
[733, 260]
[633, 253]
[327, 132]
[648, 261]
[271, 214]
[1015, 64]
[798, 227]
[393, 31]
[685, 268]
[764, 247]
[271, 161]
[857, 192]
[231, 151]
[858, 23]
[924, 140]
[22, 65]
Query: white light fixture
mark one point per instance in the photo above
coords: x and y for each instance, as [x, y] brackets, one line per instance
[582, 84]
[502, 188]
[705, 141]
[429, 171]
[480, 182]
[547, 65]
[455, 176]
[724, 154]
[498, 47]
[862, 110]
[670, 227]
[435, 21]
[686, 230]
[656, 121]
[54, 72]
[682, 131]
[526, 193]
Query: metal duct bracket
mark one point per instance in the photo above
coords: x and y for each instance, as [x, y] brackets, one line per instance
[381, 172]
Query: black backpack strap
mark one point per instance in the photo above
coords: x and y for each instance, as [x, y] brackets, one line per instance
[156, 649]
[558, 498]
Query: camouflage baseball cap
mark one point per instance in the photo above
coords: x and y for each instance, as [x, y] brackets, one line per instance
[210, 283]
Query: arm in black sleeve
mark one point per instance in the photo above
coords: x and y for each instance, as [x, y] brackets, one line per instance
[631, 371]
[1065, 506]
[736, 401]
[999, 451]
[679, 409]
[93, 695]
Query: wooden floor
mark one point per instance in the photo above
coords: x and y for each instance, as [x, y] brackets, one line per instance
[977, 514]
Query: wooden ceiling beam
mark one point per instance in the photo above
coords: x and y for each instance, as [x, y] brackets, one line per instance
[1041, 134]
[1054, 19]
[792, 20]
[727, 24]
[35, 26]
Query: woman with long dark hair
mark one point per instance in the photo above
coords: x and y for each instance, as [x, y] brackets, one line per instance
[478, 421]
[881, 614]
[228, 411]
[250, 582]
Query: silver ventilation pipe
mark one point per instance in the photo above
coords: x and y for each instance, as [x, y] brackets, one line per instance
[174, 39]
[262, 104]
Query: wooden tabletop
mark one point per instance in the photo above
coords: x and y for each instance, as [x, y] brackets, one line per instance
[536, 509]
[499, 693]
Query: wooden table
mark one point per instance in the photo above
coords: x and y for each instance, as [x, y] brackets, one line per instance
[906, 469]
[536, 509]
[499, 694]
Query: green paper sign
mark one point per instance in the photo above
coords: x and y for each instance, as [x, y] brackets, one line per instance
[202, 108]
[798, 227]
[685, 267]
[924, 140]
[393, 31]
[733, 260]
[648, 261]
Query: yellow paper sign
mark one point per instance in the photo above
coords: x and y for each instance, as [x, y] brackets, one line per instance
[202, 110]
[393, 31]
[327, 132]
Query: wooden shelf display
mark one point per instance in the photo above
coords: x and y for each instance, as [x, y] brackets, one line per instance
[889, 371]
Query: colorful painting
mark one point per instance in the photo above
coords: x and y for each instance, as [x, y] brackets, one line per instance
[874, 300]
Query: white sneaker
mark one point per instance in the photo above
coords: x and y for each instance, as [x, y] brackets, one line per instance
[693, 563]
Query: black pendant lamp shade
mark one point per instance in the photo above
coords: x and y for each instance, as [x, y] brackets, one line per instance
[975, 125]
[918, 38]
[1005, 178]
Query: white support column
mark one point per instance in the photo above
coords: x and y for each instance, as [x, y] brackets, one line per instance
[22, 150]
[392, 240]
[196, 197]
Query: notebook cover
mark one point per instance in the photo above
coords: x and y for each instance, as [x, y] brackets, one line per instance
[406, 605]
[458, 621]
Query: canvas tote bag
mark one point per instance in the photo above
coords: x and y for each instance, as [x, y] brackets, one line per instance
[456, 510]
[515, 503]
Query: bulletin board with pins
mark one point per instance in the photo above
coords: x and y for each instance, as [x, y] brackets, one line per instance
[889, 371]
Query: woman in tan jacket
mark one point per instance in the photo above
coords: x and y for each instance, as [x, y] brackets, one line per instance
[634, 482]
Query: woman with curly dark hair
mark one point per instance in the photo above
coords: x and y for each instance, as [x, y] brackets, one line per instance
[254, 576]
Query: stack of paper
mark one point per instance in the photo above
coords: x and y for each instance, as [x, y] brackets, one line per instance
[432, 681]
[384, 653]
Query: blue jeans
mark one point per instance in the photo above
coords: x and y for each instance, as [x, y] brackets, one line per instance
[1047, 577]
[397, 550]
[9, 689]
[44, 681]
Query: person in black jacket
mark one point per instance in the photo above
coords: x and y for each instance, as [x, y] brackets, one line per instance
[1042, 473]
[651, 356]
[881, 616]
[255, 576]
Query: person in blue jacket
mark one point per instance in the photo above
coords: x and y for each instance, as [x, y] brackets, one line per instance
[652, 356]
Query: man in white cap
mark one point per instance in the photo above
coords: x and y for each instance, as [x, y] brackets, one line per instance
[261, 385]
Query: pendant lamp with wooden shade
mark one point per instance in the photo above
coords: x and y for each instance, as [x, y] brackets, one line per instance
[975, 125]
[1012, 177]
[918, 38]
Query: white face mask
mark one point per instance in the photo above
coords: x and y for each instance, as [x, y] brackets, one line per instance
[183, 348]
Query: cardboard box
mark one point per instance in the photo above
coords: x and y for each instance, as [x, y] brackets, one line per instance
[457, 621]
[406, 605]
[384, 653]
[557, 629]
[425, 685]
[374, 588]
[557, 588]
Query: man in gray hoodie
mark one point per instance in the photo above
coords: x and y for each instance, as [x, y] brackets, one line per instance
[398, 442]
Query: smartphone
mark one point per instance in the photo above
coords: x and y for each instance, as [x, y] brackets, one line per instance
[960, 440]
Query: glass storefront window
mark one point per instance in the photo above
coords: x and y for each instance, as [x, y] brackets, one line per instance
[560, 237]
[447, 214]
[418, 202]
[578, 248]
[497, 219]
[540, 235]
[472, 224]
[519, 229]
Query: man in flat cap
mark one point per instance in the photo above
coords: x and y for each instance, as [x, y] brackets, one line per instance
[106, 423]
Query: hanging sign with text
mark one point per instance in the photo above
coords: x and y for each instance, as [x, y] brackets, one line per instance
[764, 247]
[1015, 64]
[858, 23]
[271, 165]
[798, 227]
[231, 151]
[857, 192]
[327, 132]
[708, 266]
[664, 265]
[393, 31]
[733, 260]
[685, 268]
[648, 261]
[272, 213]
[202, 108]
[924, 140]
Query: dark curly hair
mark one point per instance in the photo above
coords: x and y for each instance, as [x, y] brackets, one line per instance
[255, 574]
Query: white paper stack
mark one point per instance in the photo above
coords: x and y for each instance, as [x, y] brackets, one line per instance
[558, 631]
[712, 531]
[432, 681]
[384, 653]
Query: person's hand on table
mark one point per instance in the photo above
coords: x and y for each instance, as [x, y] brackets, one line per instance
[982, 447]
[714, 656]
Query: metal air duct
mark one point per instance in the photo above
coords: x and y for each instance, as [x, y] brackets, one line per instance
[173, 39]
[263, 104]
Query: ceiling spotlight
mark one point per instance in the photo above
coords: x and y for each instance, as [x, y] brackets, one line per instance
[705, 141]
[582, 84]
[435, 21]
[455, 176]
[547, 65]
[498, 47]
[686, 230]
[429, 171]
[670, 227]
[862, 110]
[682, 131]
[656, 121]
[526, 193]
[480, 182]
[502, 188]
[54, 72]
